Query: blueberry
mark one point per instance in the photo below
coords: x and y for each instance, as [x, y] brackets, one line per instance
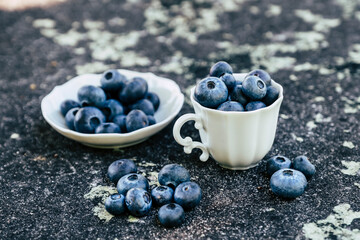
[171, 215]
[138, 202]
[136, 119]
[144, 105]
[272, 94]
[302, 164]
[91, 96]
[238, 95]
[188, 195]
[133, 90]
[254, 88]
[120, 120]
[211, 92]
[263, 75]
[67, 105]
[231, 106]
[154, 99]
[288, 183]
[115, 204]
[172, 175]
[108, 127]
[229, 81]
[70, 118]
[120, 168]
[220, 68]
[275, 163]
[112, 80]
[132, 180]
[162, 195]
[111, 108]
[87, 119]
[255, 105]
[151, 119]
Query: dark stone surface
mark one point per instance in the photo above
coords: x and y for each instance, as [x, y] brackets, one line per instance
[45, 176]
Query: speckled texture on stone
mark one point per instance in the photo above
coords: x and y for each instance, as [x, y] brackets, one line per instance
[310, 47]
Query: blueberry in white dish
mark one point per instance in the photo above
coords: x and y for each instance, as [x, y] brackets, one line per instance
[238, 95]
[87, 119]
[138, 202]
[172, 175]
[263, 75]
[108, 127]
[154, 99]
[120, 168]
[70, 118]
[111, 108]
[171, 215]
[229, 81]
[120, 120]
[112, 80]
[220, 68]
[115, 204]
[132, 180]
[162, 195]
[66, 105]
[276, 163]
[211, 92]
[288, 183]
[254, 105]
[151, 119]
[91, 96]
[231, 106]
[272, 94]
[188, 195]
[254, 88]
[134, 90]
[144, 105]
[136, 119]
[302, 164]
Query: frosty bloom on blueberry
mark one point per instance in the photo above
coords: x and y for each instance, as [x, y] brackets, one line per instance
[211, 92]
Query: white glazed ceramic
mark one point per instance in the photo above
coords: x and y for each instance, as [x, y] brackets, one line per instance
[171, 101]
[236, 140]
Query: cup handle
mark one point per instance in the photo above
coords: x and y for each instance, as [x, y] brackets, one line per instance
[187, 142]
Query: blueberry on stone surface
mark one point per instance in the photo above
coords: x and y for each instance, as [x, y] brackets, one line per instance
[288, 183]
[66, 105]
[162, 195]
[120, 120]
[302, 164]
[272, 94]
[133, 90]
[154, 98]
[172, 175]
[91, 96]
[120, 168]
[115, 204]
[254, 87]
[132, 180]
[136, 119]
[188, 195]
[220, 68]
[70, 118]
[171, 215]
[144, 105]
[112, 80]
[87, 119]
[231, 106]
[138, 202]
[263, 75]
[211, 92]
[238, 95]
[229, 81]
[111, 108]
[255, 105]
[151, 119]
[108, 127]
[275, 163]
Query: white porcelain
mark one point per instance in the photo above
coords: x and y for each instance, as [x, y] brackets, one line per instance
[236, 140]
[171, 101]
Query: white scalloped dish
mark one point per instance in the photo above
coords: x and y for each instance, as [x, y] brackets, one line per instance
[171, 101]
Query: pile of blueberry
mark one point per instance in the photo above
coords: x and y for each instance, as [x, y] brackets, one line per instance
[175, 194]
[223, 92]
[119, 105]
[289, 178]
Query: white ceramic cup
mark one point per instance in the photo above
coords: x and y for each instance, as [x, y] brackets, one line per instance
[236, 140]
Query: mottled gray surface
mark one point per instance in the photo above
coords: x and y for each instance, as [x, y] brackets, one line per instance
[50, 184]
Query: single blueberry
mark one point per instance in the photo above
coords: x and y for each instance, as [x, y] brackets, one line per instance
[112, 80]
[154, 98]
[132, 180]
[211, 92]
[67, 105]
[272, 94]
[188, 195]
[120, 168]
[238, 95]
[138, 202]
[108, 127]
[171, 215]
[87, 119]
[263, 75]
[220, 68]
[302, 164]
[229, 81]
[111, 108]
[115, 204]
[91, 96]
[255, 105]
[120, 120]
[162, 195]
[136, 119]
[231, 106]
[133, 90]
[288, 183]
[70, 118]
[151, 119]
[254, 88]
[144, 105]
[172, 175]
[275, 163]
